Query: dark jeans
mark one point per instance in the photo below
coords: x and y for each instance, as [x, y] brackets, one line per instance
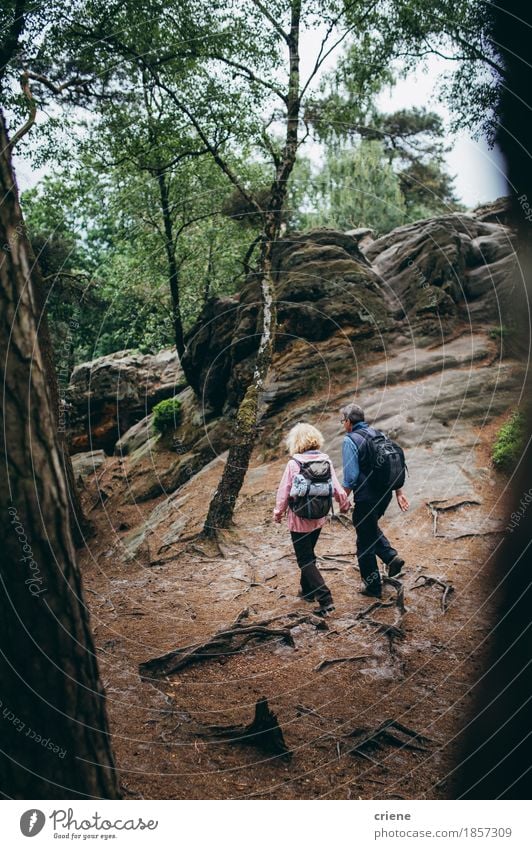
[371, 542]
[312, 583]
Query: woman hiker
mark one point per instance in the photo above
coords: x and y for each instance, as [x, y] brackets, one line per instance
[304, 444]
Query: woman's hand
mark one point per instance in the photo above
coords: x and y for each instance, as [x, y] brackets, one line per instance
[277, 517]
[402, 500]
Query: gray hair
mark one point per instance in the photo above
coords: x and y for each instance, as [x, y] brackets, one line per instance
[352, 412]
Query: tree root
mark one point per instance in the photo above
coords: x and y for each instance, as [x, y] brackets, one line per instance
[430, 581]
[264, 732]
[392, 631]
[227, 642]
[385, 734]
[333, 660]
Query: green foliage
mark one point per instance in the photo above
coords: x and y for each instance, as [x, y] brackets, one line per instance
[510, 442]
[500, 332]
[166, 415]
[357, 187]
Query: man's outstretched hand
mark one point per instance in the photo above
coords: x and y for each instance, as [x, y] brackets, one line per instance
[402, 500]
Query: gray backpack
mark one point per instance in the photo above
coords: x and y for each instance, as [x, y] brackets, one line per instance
[311, 495]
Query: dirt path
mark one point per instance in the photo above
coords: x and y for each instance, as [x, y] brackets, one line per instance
[141, 610]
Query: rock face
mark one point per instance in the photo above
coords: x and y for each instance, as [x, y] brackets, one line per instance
[324, 284]
[452, 266]
[342, 295]
[108, 395]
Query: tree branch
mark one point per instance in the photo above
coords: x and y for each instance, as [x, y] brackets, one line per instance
[26, 91]
[249, 75]
[322, 56]
[276, 25]
[222, 164]
[74, 82]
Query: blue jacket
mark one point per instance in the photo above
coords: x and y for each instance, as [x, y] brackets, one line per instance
[354, 453]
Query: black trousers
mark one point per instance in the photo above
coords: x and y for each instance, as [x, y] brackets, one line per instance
[312, 583]
[371, 542]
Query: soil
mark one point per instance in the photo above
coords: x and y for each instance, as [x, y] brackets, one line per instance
[164, 599]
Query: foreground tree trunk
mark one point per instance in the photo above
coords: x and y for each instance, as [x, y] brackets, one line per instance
[222, 506]
[56, 739]
[496, 743]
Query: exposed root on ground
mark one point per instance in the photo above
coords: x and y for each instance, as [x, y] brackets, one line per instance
[264, 732]
[331, 661]
[430, 581]
[227, 642]
[386, 734]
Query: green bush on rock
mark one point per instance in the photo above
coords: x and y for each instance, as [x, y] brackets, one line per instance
[509, 442]
[166, 415]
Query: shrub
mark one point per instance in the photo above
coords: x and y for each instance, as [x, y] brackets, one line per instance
[166, 415]
[509, 442]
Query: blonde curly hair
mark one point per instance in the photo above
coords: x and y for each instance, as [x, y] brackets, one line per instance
[303, 437]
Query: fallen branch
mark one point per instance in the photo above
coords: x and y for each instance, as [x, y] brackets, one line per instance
[264, 732]
[430, 581]
[376, 605]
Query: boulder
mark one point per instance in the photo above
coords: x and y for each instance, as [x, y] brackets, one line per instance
[110, 394]
[85, 464]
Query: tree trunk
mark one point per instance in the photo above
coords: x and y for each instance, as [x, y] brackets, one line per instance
[223, 502]
[56, 741]
[222, 506]
[80, 525]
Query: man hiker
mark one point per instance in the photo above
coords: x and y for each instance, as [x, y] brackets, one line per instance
[363, 477]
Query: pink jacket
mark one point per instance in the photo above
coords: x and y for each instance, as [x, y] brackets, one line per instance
[295, 523]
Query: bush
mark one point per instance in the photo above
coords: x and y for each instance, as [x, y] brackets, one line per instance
[509, 442]
[166, 415]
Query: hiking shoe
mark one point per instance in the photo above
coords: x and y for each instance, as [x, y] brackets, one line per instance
[324, 609]
[372, 593]
[395, 566]
[305, 596]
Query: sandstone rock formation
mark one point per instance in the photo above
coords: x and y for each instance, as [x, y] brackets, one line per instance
[108, 395]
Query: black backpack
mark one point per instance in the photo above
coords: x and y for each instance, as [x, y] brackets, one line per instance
[384, 464]
[315, 489]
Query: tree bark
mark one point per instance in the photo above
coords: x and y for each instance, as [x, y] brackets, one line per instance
[56, 740]
[222, 506]
[173, 270]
